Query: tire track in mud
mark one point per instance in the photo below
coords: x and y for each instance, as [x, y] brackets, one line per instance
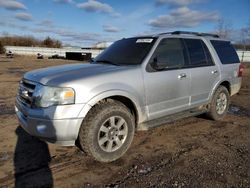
[63, 161]
[136, 173]
[144, 168]
[6, 109]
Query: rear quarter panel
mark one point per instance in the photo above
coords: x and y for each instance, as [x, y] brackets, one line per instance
[228, 72]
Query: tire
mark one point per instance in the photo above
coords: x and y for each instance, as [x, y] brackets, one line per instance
[107, 131]
[219, 104]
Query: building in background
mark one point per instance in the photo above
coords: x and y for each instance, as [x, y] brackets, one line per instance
[48, 52]
[95, 50]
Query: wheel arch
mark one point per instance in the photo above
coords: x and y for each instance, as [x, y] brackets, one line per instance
[224, 83]
[128, 103]
[124, 97]
[227, 85]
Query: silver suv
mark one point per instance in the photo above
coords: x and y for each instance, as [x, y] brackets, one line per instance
[135, 84]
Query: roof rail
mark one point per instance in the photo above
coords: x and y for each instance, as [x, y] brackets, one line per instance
[191, 33]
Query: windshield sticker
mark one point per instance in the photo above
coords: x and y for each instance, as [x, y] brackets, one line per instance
[144, 40]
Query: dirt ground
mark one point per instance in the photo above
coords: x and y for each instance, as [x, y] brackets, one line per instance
[193, 152]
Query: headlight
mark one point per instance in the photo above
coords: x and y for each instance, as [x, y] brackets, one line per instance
[45, 96]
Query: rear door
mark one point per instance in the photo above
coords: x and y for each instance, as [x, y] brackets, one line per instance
[167, 90]
[230, 64]
[204, 72]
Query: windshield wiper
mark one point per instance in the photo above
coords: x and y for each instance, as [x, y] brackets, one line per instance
[107, 62]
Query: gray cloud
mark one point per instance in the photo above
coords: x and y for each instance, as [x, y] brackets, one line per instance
[177, 2]
[48, 28]
[110, 28]
[23, 16]
[68, 34]
[78, 36]
[96, 6]
[63, 1]
[183, 17]
[12, 5]
[46, 23]
[11, 24]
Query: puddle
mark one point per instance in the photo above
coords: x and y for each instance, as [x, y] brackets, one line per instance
[239, 111]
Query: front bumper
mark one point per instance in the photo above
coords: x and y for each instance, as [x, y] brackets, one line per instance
[58, 124]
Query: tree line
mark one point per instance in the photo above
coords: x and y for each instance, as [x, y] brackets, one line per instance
[28, 41]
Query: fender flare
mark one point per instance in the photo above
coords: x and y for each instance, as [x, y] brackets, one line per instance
[215, 88]
[111, 93]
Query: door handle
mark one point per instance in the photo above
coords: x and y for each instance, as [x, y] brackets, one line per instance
[182, 75]
[214, 72]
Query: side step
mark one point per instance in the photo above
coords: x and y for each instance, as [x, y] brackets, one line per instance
[169, 119]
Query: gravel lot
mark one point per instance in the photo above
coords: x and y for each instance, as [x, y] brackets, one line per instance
[193, 152]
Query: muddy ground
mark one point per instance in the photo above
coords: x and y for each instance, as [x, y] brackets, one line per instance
[193, 152]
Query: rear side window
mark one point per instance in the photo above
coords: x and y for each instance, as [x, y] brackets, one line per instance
[199, 54]
[225, 51]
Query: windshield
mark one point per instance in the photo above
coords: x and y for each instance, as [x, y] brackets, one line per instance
[129, 51]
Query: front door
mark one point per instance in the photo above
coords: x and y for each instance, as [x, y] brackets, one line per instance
[167, 87]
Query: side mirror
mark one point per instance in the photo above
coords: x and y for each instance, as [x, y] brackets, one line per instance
[158, 64]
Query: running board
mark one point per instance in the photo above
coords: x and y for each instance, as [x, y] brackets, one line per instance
[169, 119]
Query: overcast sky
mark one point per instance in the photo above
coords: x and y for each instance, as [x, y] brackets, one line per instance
[85, 22]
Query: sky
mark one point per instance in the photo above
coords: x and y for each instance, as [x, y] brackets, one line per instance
[86, 22]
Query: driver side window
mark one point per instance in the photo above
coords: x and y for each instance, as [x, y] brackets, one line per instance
[169, 54]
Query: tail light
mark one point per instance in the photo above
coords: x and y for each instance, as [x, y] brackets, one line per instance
[240, 72]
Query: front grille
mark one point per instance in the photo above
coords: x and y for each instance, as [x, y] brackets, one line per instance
[25, 92]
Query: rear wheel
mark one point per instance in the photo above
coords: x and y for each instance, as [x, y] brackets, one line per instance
[107, 131]
[219, 104]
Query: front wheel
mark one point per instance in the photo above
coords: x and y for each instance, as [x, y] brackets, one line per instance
[219, 104]
[107, 131]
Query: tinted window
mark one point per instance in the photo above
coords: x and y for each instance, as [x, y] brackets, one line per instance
[208, 55]
[129, 51]
[197, 55]
[225, 51]
[169, 53]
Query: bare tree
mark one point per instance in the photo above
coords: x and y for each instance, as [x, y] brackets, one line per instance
[29, 41]
[57, 44]
[242, 37]
[245, 36]
[51, 43]
[48, 42]
[224, 28]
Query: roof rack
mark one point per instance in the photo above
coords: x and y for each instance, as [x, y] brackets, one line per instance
[191, 33]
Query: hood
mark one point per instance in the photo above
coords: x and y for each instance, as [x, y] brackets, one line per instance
[58, 75]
